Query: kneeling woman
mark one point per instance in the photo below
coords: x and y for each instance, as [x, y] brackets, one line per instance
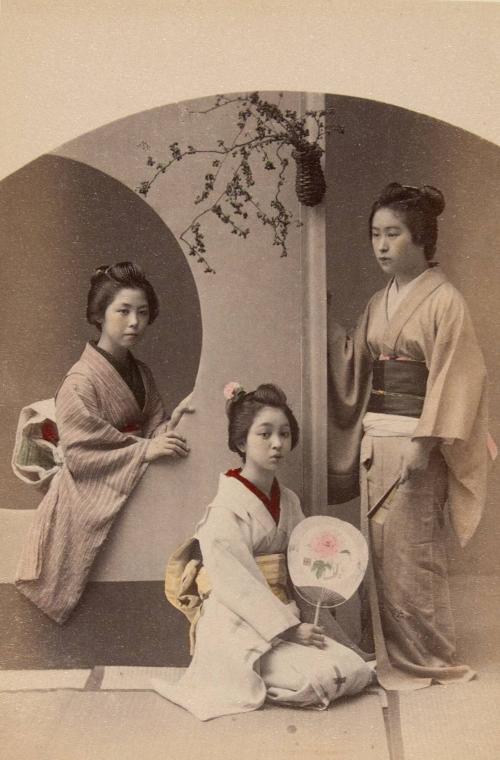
[250, 644]
[111, 424]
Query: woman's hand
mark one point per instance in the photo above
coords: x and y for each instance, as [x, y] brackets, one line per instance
[166, 444]
[416, 454]
[307, 634]
[184, 407]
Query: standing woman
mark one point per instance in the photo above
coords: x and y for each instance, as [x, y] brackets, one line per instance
[411, 382]
[111, 424]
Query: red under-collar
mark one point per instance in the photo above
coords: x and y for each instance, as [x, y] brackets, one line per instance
[272, 503]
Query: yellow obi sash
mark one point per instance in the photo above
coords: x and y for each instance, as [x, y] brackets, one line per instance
[187, 583]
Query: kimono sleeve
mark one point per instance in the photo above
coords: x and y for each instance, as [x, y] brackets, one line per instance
[104, 463]
[349, 383]
[456, 410]
[457, 374]
[237, 582]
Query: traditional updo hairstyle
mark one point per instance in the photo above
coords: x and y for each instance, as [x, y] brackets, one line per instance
[107, 281]
[244, 407]
[418, 208]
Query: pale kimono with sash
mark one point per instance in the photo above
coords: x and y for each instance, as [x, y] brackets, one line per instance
[431, 325]
[239, 660]
[102, 464]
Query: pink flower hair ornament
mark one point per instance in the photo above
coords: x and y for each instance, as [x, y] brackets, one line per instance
[232, 391]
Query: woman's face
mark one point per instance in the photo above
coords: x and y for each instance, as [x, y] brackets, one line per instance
[125, 321]
[393, 246]
[269, 439]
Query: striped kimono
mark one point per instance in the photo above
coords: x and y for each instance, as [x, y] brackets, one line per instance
[103, 463]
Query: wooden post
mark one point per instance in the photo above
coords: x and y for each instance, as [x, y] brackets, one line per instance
[314, 348]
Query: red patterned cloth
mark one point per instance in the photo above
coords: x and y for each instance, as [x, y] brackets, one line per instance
[50, 432]
[271, 503]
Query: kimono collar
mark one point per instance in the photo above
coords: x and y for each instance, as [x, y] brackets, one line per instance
[428, 282]
[92, 362]
[271, 503]
[118, 364]
[129, 372]
[232, 494]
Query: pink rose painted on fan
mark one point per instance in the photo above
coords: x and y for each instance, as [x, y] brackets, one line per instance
[324, 544]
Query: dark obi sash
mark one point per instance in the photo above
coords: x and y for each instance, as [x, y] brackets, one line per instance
[398, 387]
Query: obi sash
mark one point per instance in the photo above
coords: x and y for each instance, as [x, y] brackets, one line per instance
[272, 566]
[187, 583]
[398, 387]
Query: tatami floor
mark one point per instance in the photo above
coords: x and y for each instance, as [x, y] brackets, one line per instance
[110, 712]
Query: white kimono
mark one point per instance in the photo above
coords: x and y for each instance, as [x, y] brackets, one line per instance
[239, 659]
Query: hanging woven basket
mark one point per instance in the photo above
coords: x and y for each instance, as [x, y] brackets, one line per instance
[310, 182]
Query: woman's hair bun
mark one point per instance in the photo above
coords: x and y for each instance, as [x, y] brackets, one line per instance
[98, 273]
[393, 188]
[434, 198]
[266, 394]
[270, 395]
[394, 192]
[123, 272]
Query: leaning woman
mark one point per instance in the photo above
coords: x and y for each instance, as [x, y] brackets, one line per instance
[249, 642]
[411, 383]
[111, 424]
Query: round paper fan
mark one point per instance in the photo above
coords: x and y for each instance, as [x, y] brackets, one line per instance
[327, 560]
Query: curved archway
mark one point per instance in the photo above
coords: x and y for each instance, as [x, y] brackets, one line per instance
[59, 219]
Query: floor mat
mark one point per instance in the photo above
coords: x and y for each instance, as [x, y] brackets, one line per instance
[129, 725]
[454, 722]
